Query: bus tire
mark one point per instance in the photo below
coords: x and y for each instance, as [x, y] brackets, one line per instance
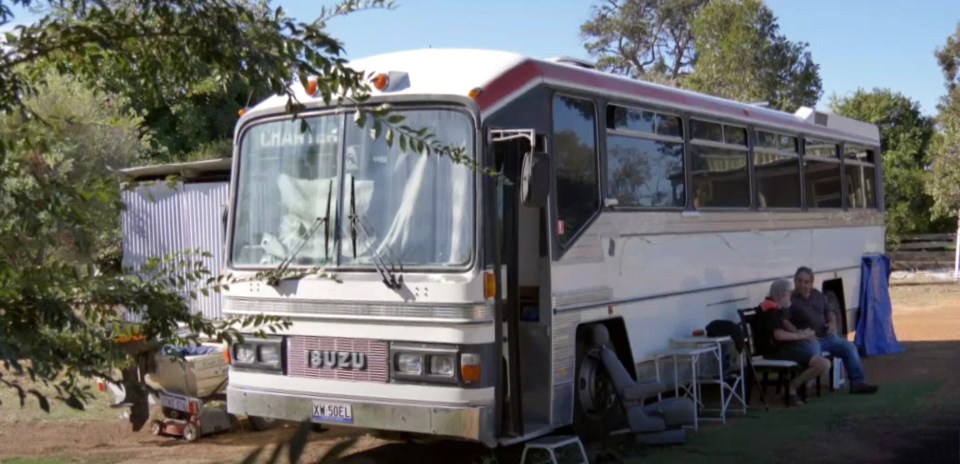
[595, 409]
[261, 424]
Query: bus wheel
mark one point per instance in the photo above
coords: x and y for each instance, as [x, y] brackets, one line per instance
[260, 424]
[594, 408]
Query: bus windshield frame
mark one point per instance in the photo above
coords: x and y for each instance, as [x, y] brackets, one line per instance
[398, 206]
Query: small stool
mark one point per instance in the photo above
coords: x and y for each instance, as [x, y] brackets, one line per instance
[556, 449]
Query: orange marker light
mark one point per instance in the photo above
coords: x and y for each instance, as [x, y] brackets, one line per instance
[311, 86]
[475, 92]
[470, 370]
[489, 286]
[381, 81]
[242, 112]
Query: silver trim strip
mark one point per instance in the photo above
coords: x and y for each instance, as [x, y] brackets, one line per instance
[582, 296]
[464, 314]
[687, 292]
[620, 222]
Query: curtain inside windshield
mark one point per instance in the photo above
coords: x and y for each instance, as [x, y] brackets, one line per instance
[409, 208]
[286, 177]
[397, 207]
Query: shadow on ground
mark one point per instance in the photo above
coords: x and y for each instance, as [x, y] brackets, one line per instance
[915, 417]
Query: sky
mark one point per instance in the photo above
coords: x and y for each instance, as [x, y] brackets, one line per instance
[857, 43]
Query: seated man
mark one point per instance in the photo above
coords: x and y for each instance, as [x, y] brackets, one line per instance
[809, 309]
[779, 339]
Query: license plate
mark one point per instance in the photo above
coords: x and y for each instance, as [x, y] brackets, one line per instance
[178, 403]
[332, 412]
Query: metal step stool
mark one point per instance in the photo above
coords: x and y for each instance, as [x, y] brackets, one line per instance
[555, 449]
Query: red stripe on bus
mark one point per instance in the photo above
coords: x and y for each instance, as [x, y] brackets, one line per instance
[501, 88]
[507, 83]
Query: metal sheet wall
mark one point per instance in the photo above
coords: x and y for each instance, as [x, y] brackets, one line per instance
[202, 227]
[159, 220]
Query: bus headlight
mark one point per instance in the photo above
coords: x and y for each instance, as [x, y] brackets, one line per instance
[245, 354]
[270, 354]
[259, 354]
[409, 363]
[442, 364]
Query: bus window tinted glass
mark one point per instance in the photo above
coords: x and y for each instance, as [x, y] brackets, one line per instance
[823, 184]
[631, 119]
[857, 153]
[735, 135]
[777, 180]
[645, 173]
[767, 140]
[706, 131]
[820, 148]
[574, 149]
[860, 193]
[789, 143]
[720, 177]
[669, 125]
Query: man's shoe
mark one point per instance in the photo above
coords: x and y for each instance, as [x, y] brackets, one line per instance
[863, 388]
[794, 400]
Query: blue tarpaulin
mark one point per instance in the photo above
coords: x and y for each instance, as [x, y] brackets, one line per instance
[875, 334]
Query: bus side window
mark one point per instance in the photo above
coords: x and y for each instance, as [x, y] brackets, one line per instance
[575, 152]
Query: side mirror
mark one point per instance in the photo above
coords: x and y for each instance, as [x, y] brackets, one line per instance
[535, 179]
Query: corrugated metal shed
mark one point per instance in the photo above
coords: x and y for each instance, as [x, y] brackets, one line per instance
[162, 218]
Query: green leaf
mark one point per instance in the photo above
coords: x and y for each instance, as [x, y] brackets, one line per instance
[389, 137]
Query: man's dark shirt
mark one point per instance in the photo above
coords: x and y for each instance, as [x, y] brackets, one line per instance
[810, 313]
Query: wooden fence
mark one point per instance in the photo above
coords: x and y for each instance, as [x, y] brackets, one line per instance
[923, 252]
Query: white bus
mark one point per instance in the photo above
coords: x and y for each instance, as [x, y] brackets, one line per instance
[659, 210]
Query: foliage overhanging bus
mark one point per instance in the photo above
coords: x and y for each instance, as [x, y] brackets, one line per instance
[660, 211]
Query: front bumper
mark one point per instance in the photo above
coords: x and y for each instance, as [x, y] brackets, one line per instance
[473, 423]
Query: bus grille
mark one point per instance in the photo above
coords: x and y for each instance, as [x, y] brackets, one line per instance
[375, 354]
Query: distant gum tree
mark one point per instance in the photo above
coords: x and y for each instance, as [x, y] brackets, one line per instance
[905, 139]
[729, 48]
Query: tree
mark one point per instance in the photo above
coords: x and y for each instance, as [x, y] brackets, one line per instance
[648, 39]
[944, 183]
[60, 316]
[741, 55]
[905, 136]
[728, 48]
[79, 134]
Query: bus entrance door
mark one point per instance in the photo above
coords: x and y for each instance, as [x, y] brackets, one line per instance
[524, 252]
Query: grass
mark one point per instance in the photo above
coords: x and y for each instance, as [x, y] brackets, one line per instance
[11, 412]
[759, 435]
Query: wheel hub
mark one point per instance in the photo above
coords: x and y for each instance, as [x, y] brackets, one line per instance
[595, 391]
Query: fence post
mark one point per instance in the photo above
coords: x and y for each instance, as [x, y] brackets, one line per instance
[956, 257]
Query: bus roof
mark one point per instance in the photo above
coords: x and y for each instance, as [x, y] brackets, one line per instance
[503, 76]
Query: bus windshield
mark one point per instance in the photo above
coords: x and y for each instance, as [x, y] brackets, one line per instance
[296, 186]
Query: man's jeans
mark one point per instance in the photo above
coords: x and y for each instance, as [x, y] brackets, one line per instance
[846, 351]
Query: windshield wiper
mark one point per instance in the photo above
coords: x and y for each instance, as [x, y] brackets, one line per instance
[356, 224]
[325, 220]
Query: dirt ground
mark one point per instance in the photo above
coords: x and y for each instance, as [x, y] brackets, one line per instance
[926, 320]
